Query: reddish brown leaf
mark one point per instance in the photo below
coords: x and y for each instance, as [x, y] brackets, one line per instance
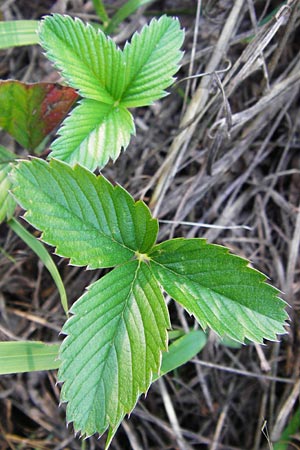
[29, 112]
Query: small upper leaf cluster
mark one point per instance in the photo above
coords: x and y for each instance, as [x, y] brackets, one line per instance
[109, 80]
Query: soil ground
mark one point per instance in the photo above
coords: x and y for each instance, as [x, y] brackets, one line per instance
[223, 150]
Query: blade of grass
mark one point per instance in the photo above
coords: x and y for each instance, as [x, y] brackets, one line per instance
[175, 334]
[125, 11]
[26, 356]
[18, 32]
[101, 11]
[291, 429]
[181, 351]
[44, 256]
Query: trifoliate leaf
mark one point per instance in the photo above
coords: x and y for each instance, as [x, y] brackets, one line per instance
[30, 111]
[110, 82]
[93, 133]
[219, 289]
[151, 60]
[84, 216]
[88, 59]
[113, 347]
[7, 203]
[91, 62]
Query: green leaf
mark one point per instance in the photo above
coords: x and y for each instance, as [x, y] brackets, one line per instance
[7, 203]
[44, 256]
[84, 216]
[93, 133]
[151, 60]
[113, 347]
[110, 82]
[27, 356]
[219, 289]
[18, 32]
[89, 60]
[30, 111]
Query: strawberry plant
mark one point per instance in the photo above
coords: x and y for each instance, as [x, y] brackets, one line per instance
[118, 329]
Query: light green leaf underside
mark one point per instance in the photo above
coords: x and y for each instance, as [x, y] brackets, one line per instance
[89, 61]
[151, 60]
[84, 216]
[27, 356]
[94, 133]
[7, 203]
[219, 289]
[113, 347]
